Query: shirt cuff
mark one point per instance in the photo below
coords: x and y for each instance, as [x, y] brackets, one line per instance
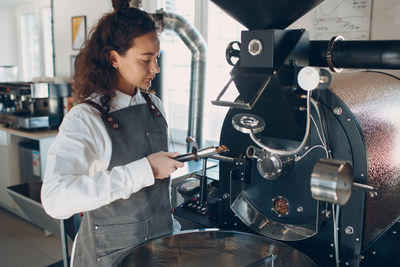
[141, 174]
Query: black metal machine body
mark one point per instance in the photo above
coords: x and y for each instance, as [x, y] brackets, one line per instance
[284, 209]
[351, 117]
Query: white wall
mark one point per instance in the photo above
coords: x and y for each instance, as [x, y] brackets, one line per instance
[385, 23]
[63, 10]
[8, 29]
[385, 20]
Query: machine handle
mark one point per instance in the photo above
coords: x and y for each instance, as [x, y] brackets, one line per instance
[231, 52]
[186, 157]
[201, 153]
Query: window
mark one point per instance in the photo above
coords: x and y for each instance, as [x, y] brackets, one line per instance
[176, 69]
[30, 45]
[219, 36]
[47, 41]
[35, 40]
[176, 75]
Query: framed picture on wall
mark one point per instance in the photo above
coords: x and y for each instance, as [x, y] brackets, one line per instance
[78, 31]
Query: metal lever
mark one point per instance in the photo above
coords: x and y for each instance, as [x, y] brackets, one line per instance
[364, 187]
[370, 189]
[203, 183]
[192, 143]
[197, 154]
[240, 105]
[201, 153]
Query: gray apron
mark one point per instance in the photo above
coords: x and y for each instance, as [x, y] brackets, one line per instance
[108, 233]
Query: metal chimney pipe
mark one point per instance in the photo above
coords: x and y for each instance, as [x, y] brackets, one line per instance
[197, 45]
[371, 54]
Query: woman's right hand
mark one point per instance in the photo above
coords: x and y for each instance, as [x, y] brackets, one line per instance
[163, 164]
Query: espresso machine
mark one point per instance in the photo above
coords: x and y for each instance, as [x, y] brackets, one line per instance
[33, 105]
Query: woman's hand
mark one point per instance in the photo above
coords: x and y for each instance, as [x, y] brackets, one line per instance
[163, 164]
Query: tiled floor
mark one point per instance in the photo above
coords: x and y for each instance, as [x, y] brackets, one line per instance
[23, 244]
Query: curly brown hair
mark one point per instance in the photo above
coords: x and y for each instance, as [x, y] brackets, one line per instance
[117, 30]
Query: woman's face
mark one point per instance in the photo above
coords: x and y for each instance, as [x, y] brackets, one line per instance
[138, 66]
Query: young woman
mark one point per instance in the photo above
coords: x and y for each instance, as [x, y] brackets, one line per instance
[108, 160]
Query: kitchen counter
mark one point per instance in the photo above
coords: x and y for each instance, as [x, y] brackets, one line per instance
[35, 135]
[10, 160]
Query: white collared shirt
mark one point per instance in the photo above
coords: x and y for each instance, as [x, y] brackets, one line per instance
[76, 178]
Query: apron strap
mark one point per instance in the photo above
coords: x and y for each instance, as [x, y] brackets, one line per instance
[150, 103]
[104, 114]
[114, 124]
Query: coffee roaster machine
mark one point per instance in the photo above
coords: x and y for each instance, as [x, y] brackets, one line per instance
[313, 157]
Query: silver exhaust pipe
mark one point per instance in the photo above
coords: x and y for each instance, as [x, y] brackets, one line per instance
[197, 45]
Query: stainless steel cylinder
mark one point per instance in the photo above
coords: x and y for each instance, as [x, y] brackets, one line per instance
[331, 181]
